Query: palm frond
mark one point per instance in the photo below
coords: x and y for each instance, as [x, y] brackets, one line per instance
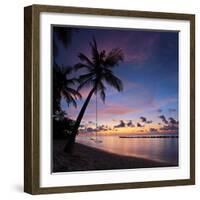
[71, 81]
[114, 57]
[62, 86]
[69, 98]
[85, 83]
[102, 55]
[101, 88]
[114, 81]
[73, 101]
[103, 95]
[82, 66]
[84, 58]
[66, 70]
[94, 52]
[84, 77]
[63, 34]
[74, 92]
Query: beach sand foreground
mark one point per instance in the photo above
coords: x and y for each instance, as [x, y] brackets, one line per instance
[86, 158]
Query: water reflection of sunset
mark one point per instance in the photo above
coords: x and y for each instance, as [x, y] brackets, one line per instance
[164, 150]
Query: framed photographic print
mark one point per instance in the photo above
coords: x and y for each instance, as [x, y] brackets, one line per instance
[109, 99]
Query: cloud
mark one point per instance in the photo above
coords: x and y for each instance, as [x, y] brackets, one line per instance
[169, 128]
[103, 128]
[121, 124]
[141, 48]
[130, 124]
[89, 129]
[108, 110]
[84, 128]
[91, 122]
[153, 130]
[172, 121]
[164, 120]
[139, 125]
[144, 119]
[159, 110]
[172, 110]
[116, 109]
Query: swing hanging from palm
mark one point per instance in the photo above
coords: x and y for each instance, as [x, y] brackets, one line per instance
[96, 129]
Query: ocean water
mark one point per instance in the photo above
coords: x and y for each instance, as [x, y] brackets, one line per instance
[158, 149]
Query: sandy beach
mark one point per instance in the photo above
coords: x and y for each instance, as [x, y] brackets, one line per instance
[86, 158]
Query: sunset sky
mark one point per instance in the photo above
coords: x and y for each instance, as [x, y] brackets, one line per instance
[149, 101]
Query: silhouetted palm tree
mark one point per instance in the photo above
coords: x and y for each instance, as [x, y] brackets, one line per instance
[63, 35]
[62, 87]
[99, 72]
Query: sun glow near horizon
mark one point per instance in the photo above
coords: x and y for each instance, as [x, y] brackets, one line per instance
[111, 130]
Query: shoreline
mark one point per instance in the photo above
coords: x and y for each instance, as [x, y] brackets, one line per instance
[87, 158]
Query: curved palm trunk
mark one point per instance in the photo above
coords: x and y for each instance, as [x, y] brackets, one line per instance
[70, 144]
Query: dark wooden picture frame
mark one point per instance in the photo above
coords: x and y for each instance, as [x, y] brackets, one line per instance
[32, 104]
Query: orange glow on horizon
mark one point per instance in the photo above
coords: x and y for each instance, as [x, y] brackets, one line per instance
[131, 130]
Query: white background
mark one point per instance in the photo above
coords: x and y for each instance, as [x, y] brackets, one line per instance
[181, 172]
[11, 100]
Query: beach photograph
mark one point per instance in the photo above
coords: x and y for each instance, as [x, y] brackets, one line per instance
[114, 98]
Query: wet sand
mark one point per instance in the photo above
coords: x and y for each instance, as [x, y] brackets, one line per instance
[85, 158]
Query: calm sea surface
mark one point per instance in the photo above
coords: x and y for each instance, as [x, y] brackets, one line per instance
[159, 149]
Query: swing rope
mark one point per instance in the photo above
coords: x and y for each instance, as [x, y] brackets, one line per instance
[96, 116]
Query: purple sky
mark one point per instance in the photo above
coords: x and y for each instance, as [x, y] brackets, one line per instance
[149, 101]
